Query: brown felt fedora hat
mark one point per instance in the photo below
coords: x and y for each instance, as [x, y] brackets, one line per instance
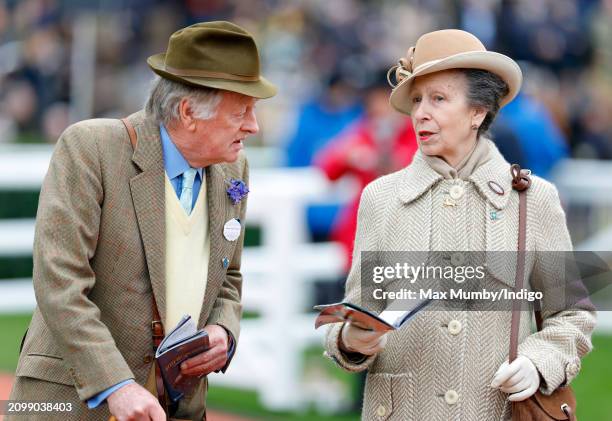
[449, 49]
[218, 55]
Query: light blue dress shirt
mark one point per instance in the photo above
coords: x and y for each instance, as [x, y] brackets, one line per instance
[175, 165]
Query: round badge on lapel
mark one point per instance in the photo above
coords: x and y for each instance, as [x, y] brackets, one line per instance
[231, 229]
[496, 188]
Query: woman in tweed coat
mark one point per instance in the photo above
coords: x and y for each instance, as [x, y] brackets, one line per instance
[457, 196]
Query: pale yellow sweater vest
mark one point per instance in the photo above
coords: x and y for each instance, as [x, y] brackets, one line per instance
[187, 256]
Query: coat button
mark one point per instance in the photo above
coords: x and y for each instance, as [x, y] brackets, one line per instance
[573, 368]
[456, 192]
[454, 327]
[451, 397]
[381, 411]
[147, 359]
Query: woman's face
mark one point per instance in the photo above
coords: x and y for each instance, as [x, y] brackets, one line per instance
[441, 116]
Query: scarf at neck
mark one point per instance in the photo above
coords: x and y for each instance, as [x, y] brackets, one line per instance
[474, 159]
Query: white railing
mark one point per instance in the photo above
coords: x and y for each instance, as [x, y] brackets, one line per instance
[278, 274]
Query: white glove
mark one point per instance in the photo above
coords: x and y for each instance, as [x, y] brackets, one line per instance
[520, 379]
[366, 342]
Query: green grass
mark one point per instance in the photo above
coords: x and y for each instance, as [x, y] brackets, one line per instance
[246, 403]
[593, 386]
[12, 328]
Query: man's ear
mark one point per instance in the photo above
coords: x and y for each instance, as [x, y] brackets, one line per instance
[186, 117]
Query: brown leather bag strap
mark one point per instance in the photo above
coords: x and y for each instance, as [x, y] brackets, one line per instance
[157, 332]
[157, 327]
[520, 182]
[131, 132]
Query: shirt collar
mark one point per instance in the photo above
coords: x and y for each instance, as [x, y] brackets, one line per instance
[174, 162]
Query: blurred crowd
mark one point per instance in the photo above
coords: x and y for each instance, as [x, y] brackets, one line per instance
[66, 60]
[63, 60]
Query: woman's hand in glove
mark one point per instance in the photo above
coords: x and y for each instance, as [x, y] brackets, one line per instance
[520, 379]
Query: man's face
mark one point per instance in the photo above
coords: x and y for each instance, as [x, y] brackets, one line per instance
[219, 139]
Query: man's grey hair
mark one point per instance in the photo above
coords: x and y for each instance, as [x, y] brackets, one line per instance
[166, 95]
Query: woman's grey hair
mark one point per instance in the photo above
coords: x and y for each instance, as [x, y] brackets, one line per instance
[166, 95]
[485, 90]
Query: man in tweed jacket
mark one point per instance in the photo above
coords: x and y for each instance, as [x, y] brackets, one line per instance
[100, 251]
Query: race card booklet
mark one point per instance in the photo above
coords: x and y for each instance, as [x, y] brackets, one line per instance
[385, 321]
[180, 344]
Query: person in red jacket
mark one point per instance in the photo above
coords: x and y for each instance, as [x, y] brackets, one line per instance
[380, 142]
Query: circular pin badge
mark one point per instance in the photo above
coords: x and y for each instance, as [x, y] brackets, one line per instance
[231, 229]
[496, 188]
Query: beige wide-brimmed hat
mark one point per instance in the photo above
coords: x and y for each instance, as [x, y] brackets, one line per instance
[450, 49]
[218, 55]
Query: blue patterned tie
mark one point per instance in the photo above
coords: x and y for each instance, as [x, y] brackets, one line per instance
[186, 197]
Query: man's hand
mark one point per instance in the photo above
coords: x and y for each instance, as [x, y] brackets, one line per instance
[366, 342]
[133, 402]
[211, 360]
[521, 379]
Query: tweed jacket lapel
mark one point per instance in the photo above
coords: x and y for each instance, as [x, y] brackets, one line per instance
[219, 212]
[149, 204]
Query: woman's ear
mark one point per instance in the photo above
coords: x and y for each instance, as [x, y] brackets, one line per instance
[478, 116]
[186, 117]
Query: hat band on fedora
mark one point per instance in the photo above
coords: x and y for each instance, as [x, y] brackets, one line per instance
[212, 75]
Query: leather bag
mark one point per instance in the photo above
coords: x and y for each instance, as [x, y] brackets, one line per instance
[561, 404]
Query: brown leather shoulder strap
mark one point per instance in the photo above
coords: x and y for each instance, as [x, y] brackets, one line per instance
[157, 327]
[131, 132]
[520, 182]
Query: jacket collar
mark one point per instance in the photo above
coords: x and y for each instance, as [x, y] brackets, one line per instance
[148, 154]
[419, 177]
[416, 179]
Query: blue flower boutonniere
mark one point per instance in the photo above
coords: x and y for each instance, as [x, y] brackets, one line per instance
[237, 190]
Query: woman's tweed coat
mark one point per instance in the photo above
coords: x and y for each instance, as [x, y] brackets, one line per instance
[431, 369]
